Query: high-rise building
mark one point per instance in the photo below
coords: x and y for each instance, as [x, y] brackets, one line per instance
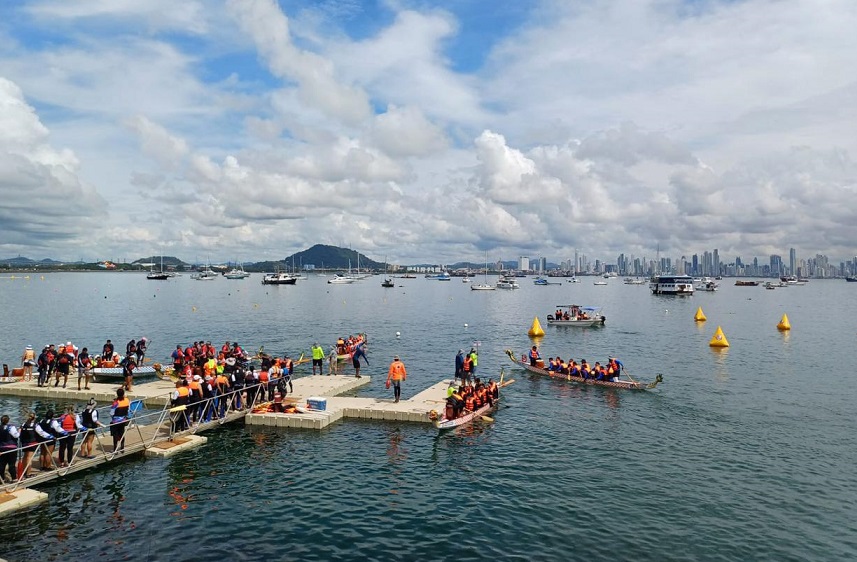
[524, 263]
[716, 263]
[792, 262]
[776, 265]
[543, 265]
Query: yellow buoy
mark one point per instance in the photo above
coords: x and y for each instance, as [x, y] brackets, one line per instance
[784, 324]
[536, 329]
[699, 316]
[719, 339]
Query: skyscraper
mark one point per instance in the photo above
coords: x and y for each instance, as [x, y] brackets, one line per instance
[792, 262]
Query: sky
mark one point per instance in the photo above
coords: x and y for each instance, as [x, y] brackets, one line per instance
[420, 131]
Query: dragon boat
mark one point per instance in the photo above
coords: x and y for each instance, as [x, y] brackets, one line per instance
[443, 423]
[626, 384]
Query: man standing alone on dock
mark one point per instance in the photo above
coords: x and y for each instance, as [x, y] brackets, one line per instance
[396, 375]
[317, 358]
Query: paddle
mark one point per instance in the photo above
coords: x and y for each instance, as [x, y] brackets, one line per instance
[627, 374]
[487, 419]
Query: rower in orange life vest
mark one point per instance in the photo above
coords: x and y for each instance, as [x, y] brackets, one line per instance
[534, 356]
[181, 397]
[119, 419]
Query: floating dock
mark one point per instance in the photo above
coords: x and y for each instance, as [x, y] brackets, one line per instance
[415, 409]
[151, 432]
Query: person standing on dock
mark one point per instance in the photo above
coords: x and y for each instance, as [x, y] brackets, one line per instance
[42, 364]
[395, 375]
[332, 361]
[28, 359]
[89, 421]
[48, 429]
[9, 435]
[70, 422]
[317, 358]
[474, 360]
[128, 366]
[84, 364]
[459, 366]
[119, 419]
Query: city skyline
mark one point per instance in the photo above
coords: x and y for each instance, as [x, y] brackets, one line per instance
[427, 129]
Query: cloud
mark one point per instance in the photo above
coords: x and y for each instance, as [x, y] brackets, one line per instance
[45, 204]
[314, 75]
[600, 126]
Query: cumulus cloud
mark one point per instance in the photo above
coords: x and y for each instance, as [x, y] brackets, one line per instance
[315, 75]
[44, 202]
[607, 127]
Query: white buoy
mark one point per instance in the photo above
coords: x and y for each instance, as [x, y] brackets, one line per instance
[465, 324]
[398, 334]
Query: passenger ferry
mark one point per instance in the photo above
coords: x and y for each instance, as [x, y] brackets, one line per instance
[672, 285]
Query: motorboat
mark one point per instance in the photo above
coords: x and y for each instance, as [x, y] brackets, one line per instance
[543, 282]
[672, 285]
[600, 283]
[507, 283]
[279, 278]
[206, 274]
[442, 276]
[576, 315]
[465, 279]
[573, 279]
[387, 283]
[706, 286]
[236, 273]
[340, 279]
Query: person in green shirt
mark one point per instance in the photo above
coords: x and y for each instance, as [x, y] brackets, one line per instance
[317, 358]
[473, 361]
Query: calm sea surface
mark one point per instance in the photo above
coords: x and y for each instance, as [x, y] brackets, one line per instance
[747, 453]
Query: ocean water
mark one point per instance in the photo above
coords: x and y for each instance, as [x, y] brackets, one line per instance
[744, 453]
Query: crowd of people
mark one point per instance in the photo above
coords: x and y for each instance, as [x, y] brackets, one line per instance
[609, 371]
[57, 362]
[19, 444]
[470, 397]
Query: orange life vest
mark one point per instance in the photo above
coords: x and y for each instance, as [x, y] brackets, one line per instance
[68, 422]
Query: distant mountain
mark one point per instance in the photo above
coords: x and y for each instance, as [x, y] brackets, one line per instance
[327, 257]
[21, 261]
[168, 261]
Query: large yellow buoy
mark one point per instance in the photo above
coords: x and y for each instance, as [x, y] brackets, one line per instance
[699, 316]
[784, 324]
[719, 339]
[536, 329]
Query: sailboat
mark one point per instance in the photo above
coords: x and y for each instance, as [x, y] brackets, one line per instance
[387, 282]
[158, 275]
[206, 274]
[483, 286]
[236, 273]
[340, 279]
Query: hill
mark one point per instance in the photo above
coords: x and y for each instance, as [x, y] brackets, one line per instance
[322, 256]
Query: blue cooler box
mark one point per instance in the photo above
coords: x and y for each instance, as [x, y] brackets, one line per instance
[315, 403]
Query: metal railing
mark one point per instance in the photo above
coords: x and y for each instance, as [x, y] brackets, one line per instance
[190, 418]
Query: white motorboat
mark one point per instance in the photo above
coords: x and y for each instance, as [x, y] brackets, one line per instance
[206, 274]
[576, 315]
[236, 273]
[340, 279]
[507, 283]
[672, 285]
[279, 278]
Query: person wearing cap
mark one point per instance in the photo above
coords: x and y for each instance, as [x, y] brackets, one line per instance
[395, 375]
[474, 360]
[332, 361]
[459, 365]
[142, 345]
[84, 364]
[89, 421]
[194, 398]
[28, 359]
[317, 358]
[62, 364]
[48, 429]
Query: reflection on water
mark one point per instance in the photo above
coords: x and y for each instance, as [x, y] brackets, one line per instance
[721, 366]
[363, 490]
